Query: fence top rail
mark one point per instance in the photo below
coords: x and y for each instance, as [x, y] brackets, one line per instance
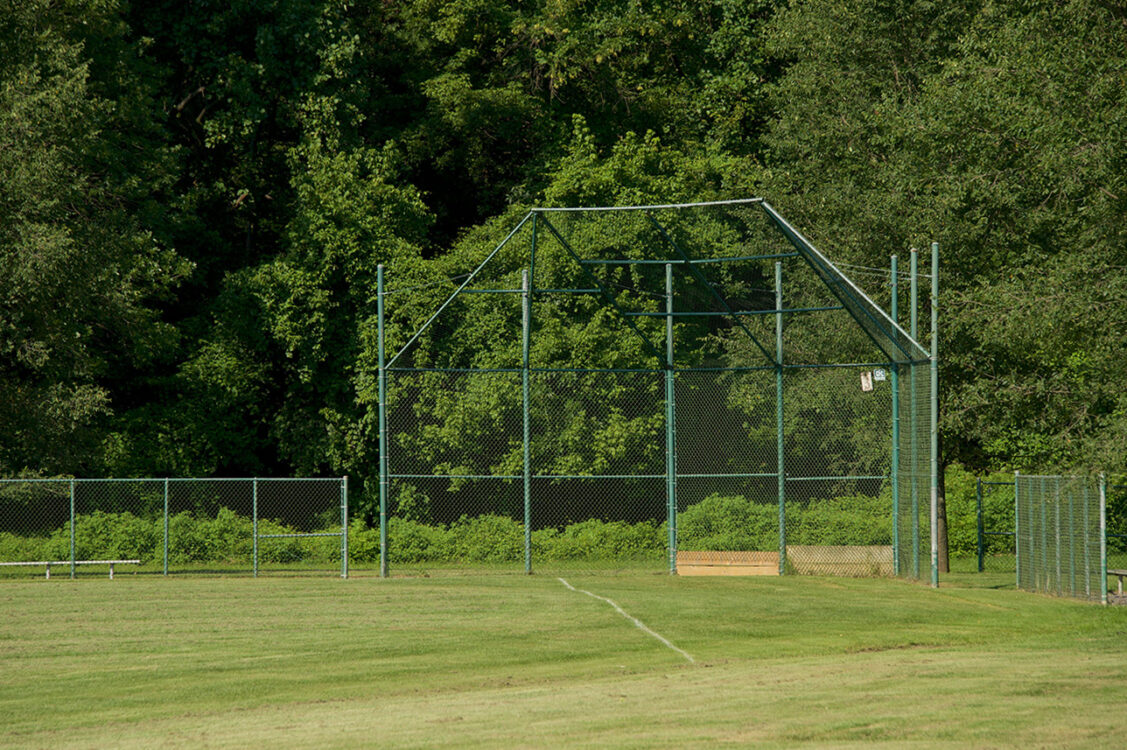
[575, 209]
[1053, 476]
[123, 480]
[76, 562]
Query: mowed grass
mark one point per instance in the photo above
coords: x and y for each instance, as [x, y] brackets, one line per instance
[514, 661]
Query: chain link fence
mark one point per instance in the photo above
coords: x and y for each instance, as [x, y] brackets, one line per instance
[170, 526]
[1060, 538]
[606, 388]
[994, 523]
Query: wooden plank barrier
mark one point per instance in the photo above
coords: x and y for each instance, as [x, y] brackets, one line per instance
[713, 563]
[811, 560]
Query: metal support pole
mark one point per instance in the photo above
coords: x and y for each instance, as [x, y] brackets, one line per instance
[254, 522]
[1056, 522]
[670, 424]
[1072, 543]
[895, 311]
[1087, 546]
[914, 320]
[526, 316]
[344, 526]
[1103, 539]
[1017, 529]
[780, 467]
[382, 419]
[1043, 582]
[166, 526]
[72, 557]
[978, 522]
[935, 414]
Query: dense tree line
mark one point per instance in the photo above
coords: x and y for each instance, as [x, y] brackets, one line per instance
[194, 197]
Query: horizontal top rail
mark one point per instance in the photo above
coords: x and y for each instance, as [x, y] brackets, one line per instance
[772, 311]
[76, 562]
[123, 480]
[680, 261]
[561, 209]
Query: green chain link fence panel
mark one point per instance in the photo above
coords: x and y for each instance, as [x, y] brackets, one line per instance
[245, 526]
[607, 387]
[1060, 536]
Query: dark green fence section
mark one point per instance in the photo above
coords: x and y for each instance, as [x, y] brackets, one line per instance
[170, 525]
[1060, 535]
[606, 387]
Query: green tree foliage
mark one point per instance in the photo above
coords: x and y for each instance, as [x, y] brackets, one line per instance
[194, 198]
[80, 173]
[996, 129]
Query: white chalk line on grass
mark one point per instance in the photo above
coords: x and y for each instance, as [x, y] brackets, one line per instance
[637, 623]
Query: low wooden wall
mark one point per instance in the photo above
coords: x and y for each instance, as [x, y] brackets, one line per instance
[802, 559]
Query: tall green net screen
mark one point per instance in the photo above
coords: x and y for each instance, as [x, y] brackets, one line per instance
[1060, 530]
[607, 388]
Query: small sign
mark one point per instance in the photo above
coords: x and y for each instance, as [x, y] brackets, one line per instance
[866, 381]
[879, 376]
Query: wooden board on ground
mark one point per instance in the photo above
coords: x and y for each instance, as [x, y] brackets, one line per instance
[714, 563]
[802, 559]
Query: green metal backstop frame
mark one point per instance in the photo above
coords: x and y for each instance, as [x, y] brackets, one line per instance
[912, 436]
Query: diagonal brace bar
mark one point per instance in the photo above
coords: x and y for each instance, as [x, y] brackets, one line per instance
[605, 293]
[458, 291]
[700, 277]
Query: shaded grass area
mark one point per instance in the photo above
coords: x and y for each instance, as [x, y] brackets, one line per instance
[522, 661]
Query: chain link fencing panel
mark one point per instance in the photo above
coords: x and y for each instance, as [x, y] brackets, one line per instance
[535, 430]
[997, 528]
[1060, 544]
[1116, 526]
[243, 526]
[34, 525]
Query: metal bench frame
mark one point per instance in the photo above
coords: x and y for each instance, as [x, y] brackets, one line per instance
[49, 563]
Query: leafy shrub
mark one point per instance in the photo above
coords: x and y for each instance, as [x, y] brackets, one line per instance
[414, 542]
[962, 511]
[736, 523]
[15, 548]
[488, 538]
[728, 523]
[600, 540]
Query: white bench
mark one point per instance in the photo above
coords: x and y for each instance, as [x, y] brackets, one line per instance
[1118, 574]
[49, 563]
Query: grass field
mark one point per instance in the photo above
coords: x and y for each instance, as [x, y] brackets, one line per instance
[509, 661]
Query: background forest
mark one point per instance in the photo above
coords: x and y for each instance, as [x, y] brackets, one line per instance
[194, 197]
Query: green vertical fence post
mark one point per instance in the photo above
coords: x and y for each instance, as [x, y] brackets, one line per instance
[978, 523]
[254, 521]
[1017, 529]
[344, 526]
[1103, 539]
[166, 526]
[526, 315]
[1087, 545]
[1072, 543]
[1056, 526]
[72, 557]
[895, 310]
[382, 419]
[780, 467]
[935, 414]
[1042, 582]
[914, 321]
[670, 425]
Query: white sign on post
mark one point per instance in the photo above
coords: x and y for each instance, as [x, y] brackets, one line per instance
[866, 381]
